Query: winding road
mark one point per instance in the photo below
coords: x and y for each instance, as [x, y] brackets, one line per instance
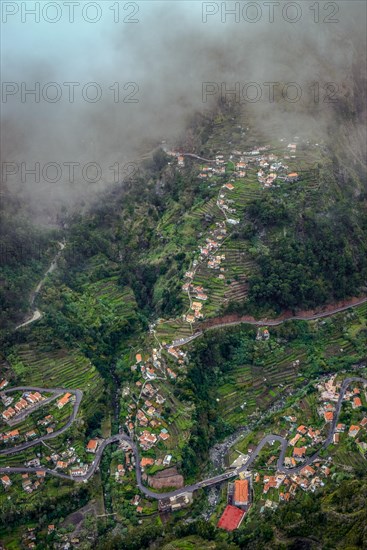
[270, 438]
[307, 316]
[37, 314]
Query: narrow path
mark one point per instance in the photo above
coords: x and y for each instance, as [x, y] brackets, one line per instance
[270, 438]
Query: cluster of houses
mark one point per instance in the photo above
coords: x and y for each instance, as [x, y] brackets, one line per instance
[270, 167]
[208, 253]
[329, 394]
[225, 204]
[25, 404]
[129, 462]
[29, 483]
[16, 435]
[61, 461]
[145, 414]
[310, 478]
[178, 156]
[217, 168]
[27, 401]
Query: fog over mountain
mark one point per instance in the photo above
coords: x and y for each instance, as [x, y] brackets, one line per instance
[160, 63]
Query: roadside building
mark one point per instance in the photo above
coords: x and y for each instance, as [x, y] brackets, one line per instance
[299, 452]
[92, 446]
[64, 400]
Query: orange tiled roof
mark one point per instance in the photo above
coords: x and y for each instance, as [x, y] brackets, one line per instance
[241, 490]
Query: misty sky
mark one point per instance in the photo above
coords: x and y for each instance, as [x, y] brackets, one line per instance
[165, 55]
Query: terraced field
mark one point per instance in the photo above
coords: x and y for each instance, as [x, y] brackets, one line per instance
[209, 209]
[255, 387]
[259, 384]
[239, 267]
[350, 460]
[172, 330]
[61, 368]
[111, 295]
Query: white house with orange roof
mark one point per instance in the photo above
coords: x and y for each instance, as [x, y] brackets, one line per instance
[92, 446]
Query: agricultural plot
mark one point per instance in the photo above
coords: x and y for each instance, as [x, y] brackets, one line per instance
[350, 460]
[214, 287]
[20, 458]
[102, 302]
[254, 387]
[207, 209]
[238, 268]
[245, 190]
[111, 295]
[61, 368]
[236, 393]
[173, 329]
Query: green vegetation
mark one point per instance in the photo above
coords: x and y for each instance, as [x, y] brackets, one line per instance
[328, 262]
[297, 245]
[25, 251]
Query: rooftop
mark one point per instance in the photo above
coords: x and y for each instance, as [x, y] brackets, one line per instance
[231, 518]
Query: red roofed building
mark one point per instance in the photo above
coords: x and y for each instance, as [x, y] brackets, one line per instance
[145, 461]
[3, 384]
[302, 429]
[92, 446]
[299, 452]
[328, 415]
[8, 413]
[6, 481]
[231, 518]
[356, 403]
[21, 404]
[64, 400]
[164, 436]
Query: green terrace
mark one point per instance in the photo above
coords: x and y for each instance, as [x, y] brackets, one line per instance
[59, 368]
[111, 295]
[173, 329]
[278, 364]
